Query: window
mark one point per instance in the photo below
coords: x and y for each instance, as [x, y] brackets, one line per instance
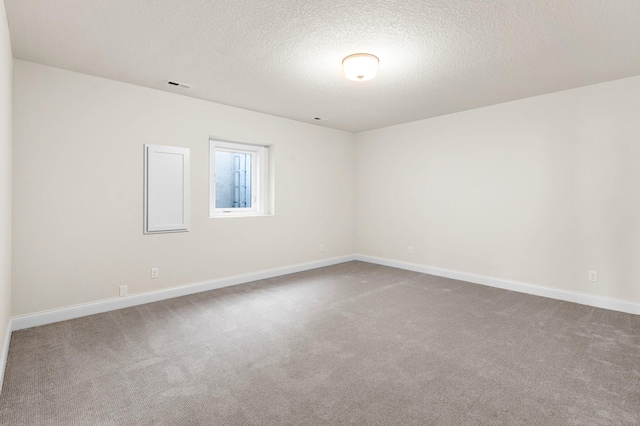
[239, 179]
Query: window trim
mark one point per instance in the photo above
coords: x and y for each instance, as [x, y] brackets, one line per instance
[259, 178]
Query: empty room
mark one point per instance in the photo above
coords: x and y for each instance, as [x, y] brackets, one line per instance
[421, 212]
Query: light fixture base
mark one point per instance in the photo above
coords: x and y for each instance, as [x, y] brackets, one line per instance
[360, 66]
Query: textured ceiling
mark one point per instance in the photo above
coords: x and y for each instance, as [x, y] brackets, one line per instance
[284, 57]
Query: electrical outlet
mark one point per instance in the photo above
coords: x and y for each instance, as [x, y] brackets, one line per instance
[321, 248]
[123, 291]
[410, 250]
[155, 272]
[593, 276]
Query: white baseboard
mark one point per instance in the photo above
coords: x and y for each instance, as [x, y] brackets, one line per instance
[553, 293]
[5, 352]
[56, 315]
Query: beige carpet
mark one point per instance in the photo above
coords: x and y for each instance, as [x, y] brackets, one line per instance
[349, 344]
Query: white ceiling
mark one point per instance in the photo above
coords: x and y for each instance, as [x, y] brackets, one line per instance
[284, 57]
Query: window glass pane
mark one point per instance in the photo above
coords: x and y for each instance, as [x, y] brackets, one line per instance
[233, 180]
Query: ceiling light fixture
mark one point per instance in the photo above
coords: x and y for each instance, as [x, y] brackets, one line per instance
[360, 66]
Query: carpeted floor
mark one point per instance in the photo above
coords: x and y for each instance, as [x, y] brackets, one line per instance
[354, 343]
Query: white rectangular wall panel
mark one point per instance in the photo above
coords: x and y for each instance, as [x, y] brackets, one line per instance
[166, 189]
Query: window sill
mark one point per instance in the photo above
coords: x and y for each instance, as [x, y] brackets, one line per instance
[228, 215]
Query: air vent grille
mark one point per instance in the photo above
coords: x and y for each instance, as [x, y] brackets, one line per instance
[178, 84]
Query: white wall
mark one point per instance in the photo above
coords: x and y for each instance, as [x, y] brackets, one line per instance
[540, 190]
[78, 175]
[6, 69]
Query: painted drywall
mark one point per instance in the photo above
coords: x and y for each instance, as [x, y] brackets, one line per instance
[540, 190]
[78, 188]
[6, 70]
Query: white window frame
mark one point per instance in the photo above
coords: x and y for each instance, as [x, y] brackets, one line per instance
[259, 178]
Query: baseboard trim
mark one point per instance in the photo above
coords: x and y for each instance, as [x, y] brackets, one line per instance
[553, 293]
[63, 314]
[5, 352]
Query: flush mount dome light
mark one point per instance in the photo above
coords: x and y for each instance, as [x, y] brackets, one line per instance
[360, 66]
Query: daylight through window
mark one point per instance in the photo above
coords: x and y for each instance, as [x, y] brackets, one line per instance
[238, 178]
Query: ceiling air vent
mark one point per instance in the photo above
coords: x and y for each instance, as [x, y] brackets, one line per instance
[178, 84]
